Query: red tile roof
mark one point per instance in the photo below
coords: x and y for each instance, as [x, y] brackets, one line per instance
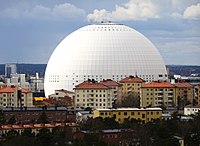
[91, 85]
[158, 85]
[65, 91]
[183, 85]
[11, 89]
[132, 79]
[110, 83]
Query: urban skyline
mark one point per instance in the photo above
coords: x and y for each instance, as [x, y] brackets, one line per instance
[31, 30]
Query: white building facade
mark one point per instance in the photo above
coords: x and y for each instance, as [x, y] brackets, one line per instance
[191, 110]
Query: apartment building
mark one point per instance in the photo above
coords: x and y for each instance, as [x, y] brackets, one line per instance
[143, 114]
[14, 96]
[93, 94]
[32, 114]
[158, 94]
[131, 85]
[198, 94]
[115, 86]
[184, 92]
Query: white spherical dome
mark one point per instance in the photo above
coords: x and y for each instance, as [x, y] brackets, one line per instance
[102, 51]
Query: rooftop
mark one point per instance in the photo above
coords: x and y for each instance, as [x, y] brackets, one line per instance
[91, 85]
[158, 84]
[109, 83]
[40, 109]
[65, 91]
[132, 79]
[11, 89]
[130, 109]
[183, 85]
[192, 106]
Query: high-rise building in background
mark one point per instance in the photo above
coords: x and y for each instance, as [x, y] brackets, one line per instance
[10, 69]
[102, 51]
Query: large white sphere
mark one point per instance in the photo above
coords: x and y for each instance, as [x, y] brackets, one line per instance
[102, 51]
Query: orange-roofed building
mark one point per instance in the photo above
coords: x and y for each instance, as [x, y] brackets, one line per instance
[115, 86]
[131, 85]
[184, 93]
[93, 94]
[14, 96]
[158, 94]
[198, 94]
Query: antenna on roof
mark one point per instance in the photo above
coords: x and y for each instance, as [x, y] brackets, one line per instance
[136, 73]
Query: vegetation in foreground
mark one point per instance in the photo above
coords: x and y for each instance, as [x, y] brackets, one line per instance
[151, 134]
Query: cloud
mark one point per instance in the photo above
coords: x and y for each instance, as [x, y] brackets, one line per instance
[65, 12]
[133, 10]
[192, 12]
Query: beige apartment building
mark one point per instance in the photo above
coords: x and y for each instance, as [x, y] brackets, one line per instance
[131, 85]
[115, 87]
[158, 94]
[184, 92]
[14, 96]
[94, 95]
[198, 94]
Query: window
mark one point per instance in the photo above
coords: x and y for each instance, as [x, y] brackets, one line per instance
[138, 113]
[132, 113]
[125, 113]
[143, 115]
[119, 113]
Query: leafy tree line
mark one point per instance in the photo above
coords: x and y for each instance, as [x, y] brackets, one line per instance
[154, 133]
[59, 136]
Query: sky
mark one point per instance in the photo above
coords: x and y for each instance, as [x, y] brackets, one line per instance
[30, 30]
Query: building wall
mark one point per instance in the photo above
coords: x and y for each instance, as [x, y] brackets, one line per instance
[130, 88]
[144, 115]
[11, 99]
[156, 97]
[30, 116]
[186, 93]
[198, 94]
[191, 110]
[94, 98]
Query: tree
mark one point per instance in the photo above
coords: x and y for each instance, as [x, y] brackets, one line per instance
[2, 119]
[43, 118]
[110, 123]
[131, 100]
[12, 120]
[20, 141]
[28, 133]
[44, 137]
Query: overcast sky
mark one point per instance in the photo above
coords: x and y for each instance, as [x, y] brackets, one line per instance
[31, 29]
